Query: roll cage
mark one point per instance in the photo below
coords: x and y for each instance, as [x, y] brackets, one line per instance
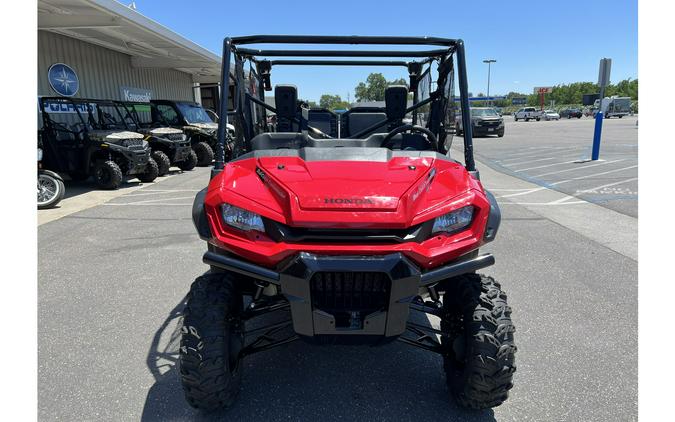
[92, 114]
[249, 109]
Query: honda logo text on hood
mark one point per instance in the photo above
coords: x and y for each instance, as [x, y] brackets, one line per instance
[355, 201]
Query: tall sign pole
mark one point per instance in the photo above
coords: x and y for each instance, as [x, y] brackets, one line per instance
[489, 61]
[603, 81]
[542, 90]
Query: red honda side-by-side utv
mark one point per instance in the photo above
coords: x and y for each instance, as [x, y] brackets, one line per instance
[346, 234]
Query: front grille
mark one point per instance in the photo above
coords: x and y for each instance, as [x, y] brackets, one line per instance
[492, 123]
[283, 233]
[173, 136]
[350, 296]
[132, 143]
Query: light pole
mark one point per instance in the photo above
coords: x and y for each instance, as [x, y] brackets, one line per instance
[489, 61]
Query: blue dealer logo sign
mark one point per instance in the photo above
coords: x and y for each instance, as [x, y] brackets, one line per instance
[63, 79]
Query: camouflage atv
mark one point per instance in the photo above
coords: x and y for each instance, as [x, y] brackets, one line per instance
[170, 146]
[84, 138]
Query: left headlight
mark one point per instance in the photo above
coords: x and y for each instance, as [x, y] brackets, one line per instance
[242, 219]
[453, 221]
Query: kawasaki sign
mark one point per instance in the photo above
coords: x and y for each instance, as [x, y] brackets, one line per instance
[136, 95]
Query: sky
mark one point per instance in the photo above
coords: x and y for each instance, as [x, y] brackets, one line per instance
[540, 43]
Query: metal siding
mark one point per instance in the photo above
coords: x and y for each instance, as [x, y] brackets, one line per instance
[102, 71]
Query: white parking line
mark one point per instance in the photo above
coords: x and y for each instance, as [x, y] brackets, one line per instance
[523, 192]
[568, 155]
[508, 189]
[607, 185]
[552, 203]
[532, 161]
[148, 201]
[145, 205]
[520, 156]
[578, 168]
[159, 191]
[544, 166]
[592, 175]
[529, 191]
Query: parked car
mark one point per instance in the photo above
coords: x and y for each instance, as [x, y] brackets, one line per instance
[484, 120]
[527, 113]
[86, 137]
[550, 115]
[571, 112]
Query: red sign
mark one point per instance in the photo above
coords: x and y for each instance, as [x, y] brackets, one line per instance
[543, 90]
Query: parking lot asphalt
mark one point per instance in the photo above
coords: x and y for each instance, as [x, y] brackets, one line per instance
[554, 154]
[112, 280]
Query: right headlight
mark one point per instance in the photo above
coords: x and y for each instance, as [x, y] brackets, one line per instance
[453, 221]
[242, 219]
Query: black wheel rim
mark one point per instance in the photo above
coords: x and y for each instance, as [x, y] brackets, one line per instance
[103, 176]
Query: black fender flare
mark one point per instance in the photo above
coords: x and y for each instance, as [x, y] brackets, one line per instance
[494, 218]
[199, 216]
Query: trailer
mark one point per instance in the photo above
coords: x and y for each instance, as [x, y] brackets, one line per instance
[613, 106]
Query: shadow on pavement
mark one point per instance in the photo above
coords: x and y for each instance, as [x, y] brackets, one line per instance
[75, 188]
[300, 381]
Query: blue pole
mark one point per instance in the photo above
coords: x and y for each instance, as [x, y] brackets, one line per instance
[596, 136]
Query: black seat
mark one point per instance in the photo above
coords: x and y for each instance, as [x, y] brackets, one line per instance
[395, 102]
[286, 103]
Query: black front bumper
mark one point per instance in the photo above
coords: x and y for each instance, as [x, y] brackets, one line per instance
[137, 160]
[349, 295]
[182, 151]
[487, 130]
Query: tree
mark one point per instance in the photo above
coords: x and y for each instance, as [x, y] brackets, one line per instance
[332, 102]
[373, 88]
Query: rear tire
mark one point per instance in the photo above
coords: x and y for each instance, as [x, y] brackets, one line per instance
[479, 359]
[151, 172]
[204, 154]
[163, 162]
[50, 189]
[211, 341]
[108, 175]
[189, 163]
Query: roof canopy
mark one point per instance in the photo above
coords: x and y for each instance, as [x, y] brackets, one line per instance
[114, 26]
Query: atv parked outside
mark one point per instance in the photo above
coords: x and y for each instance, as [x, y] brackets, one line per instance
[195, 122]
[87, 137]
[170, 146]
[349, 234]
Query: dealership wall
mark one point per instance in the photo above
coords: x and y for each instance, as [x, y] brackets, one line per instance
[102, 71]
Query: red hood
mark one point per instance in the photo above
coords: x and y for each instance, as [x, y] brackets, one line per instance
[346, 185]
[396, 193]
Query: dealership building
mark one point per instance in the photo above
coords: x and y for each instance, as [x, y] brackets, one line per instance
[106, 50]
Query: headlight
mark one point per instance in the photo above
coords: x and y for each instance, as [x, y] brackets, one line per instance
[453, 221]
[242, 219]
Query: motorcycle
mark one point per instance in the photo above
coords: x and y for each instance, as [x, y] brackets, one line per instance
[50, 187]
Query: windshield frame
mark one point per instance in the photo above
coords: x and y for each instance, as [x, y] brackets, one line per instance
[484, 112]
[185, 108]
